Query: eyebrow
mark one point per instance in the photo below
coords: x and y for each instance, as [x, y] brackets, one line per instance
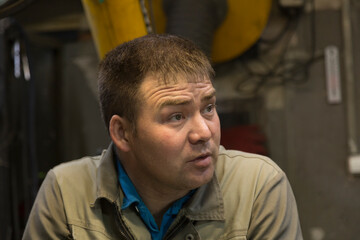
[177, 102]
[174, 102]
[209, 96]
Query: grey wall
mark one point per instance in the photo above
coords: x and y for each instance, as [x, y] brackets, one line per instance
[314, 142]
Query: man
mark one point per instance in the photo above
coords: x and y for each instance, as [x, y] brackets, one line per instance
[164, 176]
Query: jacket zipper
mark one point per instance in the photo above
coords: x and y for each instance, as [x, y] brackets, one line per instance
[123, 229]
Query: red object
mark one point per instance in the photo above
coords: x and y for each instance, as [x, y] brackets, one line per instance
[247, 138]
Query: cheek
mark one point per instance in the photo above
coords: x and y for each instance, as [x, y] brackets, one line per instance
[172, 141]
[163, 140]
[215, 128]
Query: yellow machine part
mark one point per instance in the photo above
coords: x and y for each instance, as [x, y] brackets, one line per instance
[113, 22]
[241, 28]
[116, 21]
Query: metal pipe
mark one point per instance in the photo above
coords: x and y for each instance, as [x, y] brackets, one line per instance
[353, 162]
[349, 78]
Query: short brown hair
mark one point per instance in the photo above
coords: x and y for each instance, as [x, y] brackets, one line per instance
[164, 56]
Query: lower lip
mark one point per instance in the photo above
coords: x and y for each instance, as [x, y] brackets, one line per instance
[202, 162]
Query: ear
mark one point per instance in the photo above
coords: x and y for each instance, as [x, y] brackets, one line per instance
[119, 129]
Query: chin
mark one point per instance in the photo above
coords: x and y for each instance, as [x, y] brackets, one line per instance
[198, 181]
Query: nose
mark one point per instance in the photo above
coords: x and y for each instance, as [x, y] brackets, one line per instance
[200, 131]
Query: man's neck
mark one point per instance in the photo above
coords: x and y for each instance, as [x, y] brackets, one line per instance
[156, 198]
[158, 202]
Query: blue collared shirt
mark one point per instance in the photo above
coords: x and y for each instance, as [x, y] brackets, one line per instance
[132, 197]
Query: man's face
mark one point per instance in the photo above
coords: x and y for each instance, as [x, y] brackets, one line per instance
[177, 135]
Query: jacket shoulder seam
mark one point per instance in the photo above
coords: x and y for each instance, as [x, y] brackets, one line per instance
[251, 156]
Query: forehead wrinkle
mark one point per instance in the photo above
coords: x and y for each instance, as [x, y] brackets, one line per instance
[209, 96]
[159, 92]
[166, 95]
[170, 98]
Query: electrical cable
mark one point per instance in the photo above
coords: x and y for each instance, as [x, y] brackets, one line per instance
[271, 71]
[295, 71]
[285, 29]
[146, 17]
[303, 66]
[152, 16]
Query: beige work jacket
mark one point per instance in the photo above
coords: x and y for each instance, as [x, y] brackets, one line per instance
[249, 197]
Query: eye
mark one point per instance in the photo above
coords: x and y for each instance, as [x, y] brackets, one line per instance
[176, 117]
[209, 109]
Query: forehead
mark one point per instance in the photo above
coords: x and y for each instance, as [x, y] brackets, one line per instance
[156, 92]
[151, 85]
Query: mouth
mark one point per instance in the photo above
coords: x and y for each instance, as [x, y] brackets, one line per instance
[202, 160]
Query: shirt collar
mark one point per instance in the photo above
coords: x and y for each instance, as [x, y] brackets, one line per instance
[130, 194]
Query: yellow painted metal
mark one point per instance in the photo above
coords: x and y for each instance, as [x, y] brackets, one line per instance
[159, 16]
[116, 21]
[242, 27]
[113, 22]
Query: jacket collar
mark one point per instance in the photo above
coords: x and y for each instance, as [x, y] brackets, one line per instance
[206, 203]
[107, 185]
